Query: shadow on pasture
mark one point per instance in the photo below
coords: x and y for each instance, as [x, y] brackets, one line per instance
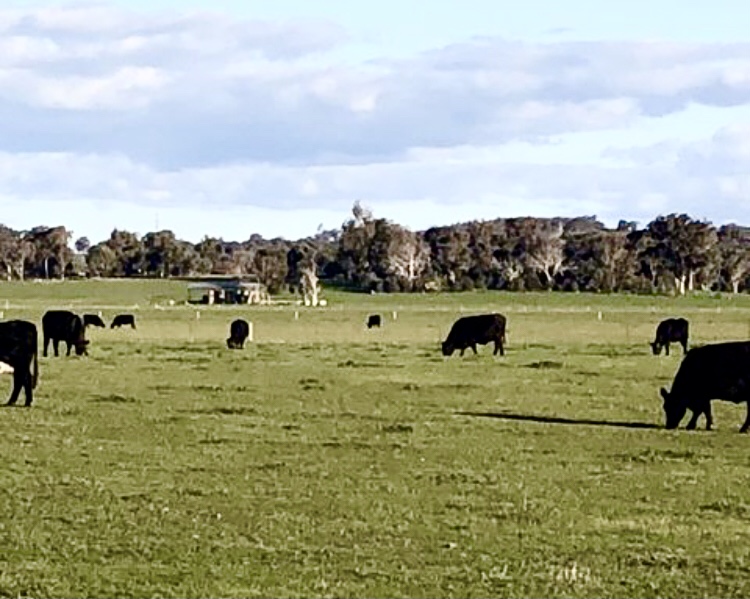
[560, 420]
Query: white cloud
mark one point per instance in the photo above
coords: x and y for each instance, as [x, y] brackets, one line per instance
[126, 88]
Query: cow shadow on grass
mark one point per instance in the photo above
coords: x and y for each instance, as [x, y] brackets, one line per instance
[561, 420]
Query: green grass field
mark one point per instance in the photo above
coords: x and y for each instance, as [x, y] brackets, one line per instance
[328, 460]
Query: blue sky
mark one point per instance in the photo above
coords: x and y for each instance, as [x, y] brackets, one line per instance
[230, 118]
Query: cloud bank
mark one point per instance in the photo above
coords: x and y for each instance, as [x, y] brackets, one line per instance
[210, 112]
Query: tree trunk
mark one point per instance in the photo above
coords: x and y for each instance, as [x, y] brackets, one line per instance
[691, 280]
[310, 288]
[680, 284]
[735, 285]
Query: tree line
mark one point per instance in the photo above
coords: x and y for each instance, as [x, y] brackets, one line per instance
[672, 254]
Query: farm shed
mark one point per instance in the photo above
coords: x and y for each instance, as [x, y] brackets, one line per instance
[227, 291]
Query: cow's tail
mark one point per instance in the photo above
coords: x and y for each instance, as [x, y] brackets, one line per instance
[35, 367]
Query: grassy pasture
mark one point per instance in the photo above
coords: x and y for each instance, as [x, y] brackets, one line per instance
[328, 460]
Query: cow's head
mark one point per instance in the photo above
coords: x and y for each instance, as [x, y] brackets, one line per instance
[674, 410]
[80, 346]
[447, 348]
[655, 348]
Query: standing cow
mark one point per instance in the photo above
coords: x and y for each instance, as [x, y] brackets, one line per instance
[670, 330]
[716, 371]
[62, 325]
[239, 331]
[123, 320]
[93, 320]
[374, 320]
[469, 331]
[18, 349]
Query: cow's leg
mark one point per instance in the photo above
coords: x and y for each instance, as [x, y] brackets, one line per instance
[462, 351]
[17, 384]
[666, 349]
[28, 389]
[474, 348]
[709, 417]
[694, 420]
[56, 346]
[46, 345]
[684, 347]
[747, 420]
[70, 345]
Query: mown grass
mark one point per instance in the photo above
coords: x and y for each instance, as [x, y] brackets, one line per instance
[328, 460]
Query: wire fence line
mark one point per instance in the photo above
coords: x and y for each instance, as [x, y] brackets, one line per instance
[595, 314]
[292, 307]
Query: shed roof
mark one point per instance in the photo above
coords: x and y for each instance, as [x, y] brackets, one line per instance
[213, 286]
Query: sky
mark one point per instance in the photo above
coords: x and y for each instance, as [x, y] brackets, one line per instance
[233, 117]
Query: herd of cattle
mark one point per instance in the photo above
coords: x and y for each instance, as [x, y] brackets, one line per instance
[715, 371]
[19, 344]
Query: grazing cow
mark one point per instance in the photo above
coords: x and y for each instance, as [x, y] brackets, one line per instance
[239, 330]
[470, 330]
[716, 371]
[123, 320]
[18, 350]
[62, 325]
[93, 320]
[671, 329]
[374, 320]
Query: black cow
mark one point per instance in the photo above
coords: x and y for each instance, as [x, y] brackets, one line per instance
[374, 320]
[62, 325]
[239, 330]
[123, 320]
[18, 349]
[716, 371]
[93, 320]
[470, 330]
[671, 329]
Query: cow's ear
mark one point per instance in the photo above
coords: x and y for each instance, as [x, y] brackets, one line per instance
[664, 394]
